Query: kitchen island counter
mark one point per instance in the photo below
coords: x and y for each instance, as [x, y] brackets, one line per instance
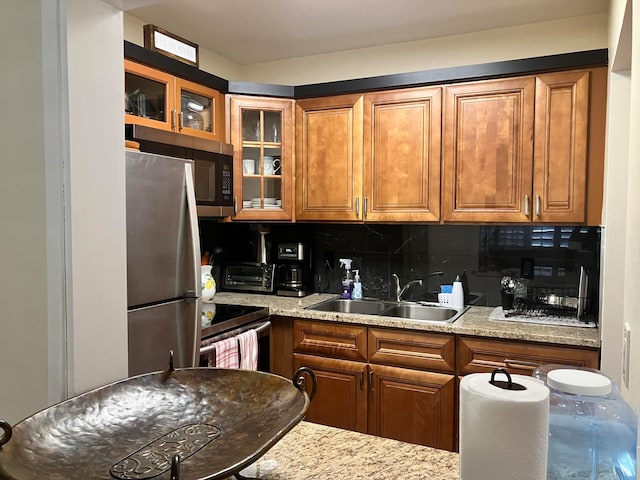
[474, 322]
[318, 452]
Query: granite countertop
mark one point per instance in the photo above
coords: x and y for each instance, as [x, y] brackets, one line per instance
[318, 452]
[475, 321]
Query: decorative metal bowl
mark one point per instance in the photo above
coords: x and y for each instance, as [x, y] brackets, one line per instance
[185, 424]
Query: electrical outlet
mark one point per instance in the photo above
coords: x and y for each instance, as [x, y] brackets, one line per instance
[626, 353]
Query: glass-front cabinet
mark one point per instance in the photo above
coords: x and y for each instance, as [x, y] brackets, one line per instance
[262, 138]
[160, 100]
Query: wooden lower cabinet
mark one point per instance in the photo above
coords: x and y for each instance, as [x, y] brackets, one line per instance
[403, 384]
[412, 406]
[341, 398]
[402, 399]
[477, 355]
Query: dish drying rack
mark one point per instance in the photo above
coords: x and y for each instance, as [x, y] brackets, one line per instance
[545, 306]
[547, 309]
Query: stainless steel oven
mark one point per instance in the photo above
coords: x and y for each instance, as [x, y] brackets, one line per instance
[232, 320]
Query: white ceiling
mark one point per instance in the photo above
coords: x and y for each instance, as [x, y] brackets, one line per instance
[255, 31]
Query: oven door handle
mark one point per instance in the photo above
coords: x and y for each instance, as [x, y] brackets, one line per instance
[211, 346]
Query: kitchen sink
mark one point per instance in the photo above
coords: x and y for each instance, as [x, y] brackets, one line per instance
[422, 312]
[366, 307]
[409, 310]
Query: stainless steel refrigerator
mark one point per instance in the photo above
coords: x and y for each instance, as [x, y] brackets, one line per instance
[163, 263]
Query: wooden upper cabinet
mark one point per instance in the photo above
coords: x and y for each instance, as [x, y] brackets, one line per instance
[261, 131]
[201, 110]
[149, 97]
[560, 147]
[329, 158]
[157, 99]
[402, 155]
[488, 151]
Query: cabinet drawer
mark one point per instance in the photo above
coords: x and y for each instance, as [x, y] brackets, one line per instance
[348, 342]
[484, 355]
[403, 348]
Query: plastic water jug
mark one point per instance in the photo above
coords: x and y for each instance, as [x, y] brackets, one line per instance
[592, 430]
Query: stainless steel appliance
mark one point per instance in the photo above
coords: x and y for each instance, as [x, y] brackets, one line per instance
[213, 165]
[232, 320]
[294, 270]
[163, 262]
[249, 277]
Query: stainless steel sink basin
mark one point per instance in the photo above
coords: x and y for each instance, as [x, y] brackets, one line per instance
[366, 307]
[409, 310]
[422, 312]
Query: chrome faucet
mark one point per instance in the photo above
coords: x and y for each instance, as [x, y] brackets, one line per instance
[400, 291]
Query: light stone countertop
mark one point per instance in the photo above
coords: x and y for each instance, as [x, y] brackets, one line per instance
[475, 321]
[318, 452]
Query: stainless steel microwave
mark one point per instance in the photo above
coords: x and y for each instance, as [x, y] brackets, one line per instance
[213, 165]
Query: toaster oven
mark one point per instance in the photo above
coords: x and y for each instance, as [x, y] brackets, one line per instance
[249, 277]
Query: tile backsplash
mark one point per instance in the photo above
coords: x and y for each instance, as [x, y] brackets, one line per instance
[548, 257]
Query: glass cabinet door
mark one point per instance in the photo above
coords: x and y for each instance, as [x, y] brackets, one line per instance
[199, 108]
[160, 100]
[148, 96]
[261, 134]
[261, 160]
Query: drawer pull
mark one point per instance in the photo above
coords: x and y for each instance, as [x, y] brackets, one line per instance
[515, 363]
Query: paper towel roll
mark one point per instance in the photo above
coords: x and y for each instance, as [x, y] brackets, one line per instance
[504, 434]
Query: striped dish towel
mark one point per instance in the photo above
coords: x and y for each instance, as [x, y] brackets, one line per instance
[225, 354]
[248, 350]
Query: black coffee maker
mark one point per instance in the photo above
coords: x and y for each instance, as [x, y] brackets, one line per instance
[294, 277]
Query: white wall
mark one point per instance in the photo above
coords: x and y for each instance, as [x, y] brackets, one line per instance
[23, 244]
[538, 39]
[621, 255]
[97, 193]
[545, 38]
[62, 248]
[209, 61]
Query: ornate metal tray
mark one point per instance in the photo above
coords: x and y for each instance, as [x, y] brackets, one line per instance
[185, 424]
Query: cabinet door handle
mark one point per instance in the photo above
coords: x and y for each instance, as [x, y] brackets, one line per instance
[537, 205]
[514, 363]
[180, 120]
[526, 205]
[362, 379]
[357, 206]
[364, 207]
[174, 119]
[370, 380]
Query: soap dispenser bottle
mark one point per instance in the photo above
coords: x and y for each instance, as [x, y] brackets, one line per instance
[457, 294]
[356, 294]
[347, 281]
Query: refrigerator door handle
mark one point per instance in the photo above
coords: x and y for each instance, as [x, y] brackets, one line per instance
[193, 227]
